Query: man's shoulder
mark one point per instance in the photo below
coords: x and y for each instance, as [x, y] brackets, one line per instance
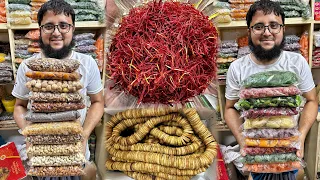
[289, 54]
[241, 61]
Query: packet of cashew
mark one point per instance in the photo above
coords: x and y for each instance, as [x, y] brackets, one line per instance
[11, 166]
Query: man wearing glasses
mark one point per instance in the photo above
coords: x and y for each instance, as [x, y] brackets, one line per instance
[56, 19]
[265, 22]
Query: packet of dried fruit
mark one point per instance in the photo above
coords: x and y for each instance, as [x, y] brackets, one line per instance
[11, 166]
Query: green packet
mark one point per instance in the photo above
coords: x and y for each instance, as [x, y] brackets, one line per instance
[286, 101]
[270, 158]
[271, 79]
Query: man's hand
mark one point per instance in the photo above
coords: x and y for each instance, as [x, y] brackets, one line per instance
[300, 152]
[84, 145]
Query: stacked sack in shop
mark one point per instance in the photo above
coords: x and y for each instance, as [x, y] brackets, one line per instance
[243, 46]
[55, 133]
[35, 6]
[316, 50]
[218, 12]
[21, 48]
[3, 16]
[295, 8]
[87, 10]
[228, 51]
[33, 36]
[304, 45]
[6, 72]
[99, 52]
[239, 8]
[269, 102]
[291, 43]
[19, 12]
[85, 43]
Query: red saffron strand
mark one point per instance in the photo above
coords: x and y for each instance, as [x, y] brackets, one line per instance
[164, 52]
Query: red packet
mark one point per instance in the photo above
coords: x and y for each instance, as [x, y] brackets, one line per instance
[11, 166]
[221, 168]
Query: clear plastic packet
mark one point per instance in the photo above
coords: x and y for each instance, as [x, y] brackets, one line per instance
[271, 133]
[238, 15]
[270, 158]
[33, 35]
[225, 60]
[34, 50]
[53, 65]
[56, 171]
[242, 41]
[85, 5]
[100, 52]
[53, 128]
[274, 150]
[273, 167]
[243, 51]
[306, 12]
[34, 15]
[54, 139]
[240, 6]
[34, 44]
[42, 1]
[291, 7]
[53, 86]
[5, 79]
[77, 159]
[74, 76]
[23, 56]
[33, 3]
[304, 43]
[3, 11]
[51, 117]
[219, 4]
[289, 39]
[6, 66]
[22, 52]
[226, 55]
[88, 17]
[228, 44]
[83, 36]
[18, 1]
[85, 42]
[271, 111]
[54, 150]
[21, 7]
[267, 143]
[3, 19]
[224, 66]
[241, 1]
[85, 12]
[222, 19]
[21, 47]
[20, 21]
[228, 50]
[271, 79]
[291, 14]
[21, 40]
[292, 47]
[274, 122]
[269, 92]
[6, 116]
[20, 14]
[284, 101]
[4, 73]
[56, 106]
[35, 8]
[85, 49]
[55, 97]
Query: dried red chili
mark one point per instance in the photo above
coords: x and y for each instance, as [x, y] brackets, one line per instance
[164, 52]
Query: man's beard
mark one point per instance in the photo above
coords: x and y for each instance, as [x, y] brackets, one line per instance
[53, 53]
[265, 55]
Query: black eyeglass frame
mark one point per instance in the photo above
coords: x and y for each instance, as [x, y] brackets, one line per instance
[265, 27]
[56, 26]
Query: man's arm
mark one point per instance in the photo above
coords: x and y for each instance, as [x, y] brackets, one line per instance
[20, 108]
[307, 118]
[94, 114]
[232, 118]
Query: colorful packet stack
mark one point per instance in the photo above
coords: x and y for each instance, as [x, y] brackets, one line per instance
[228, 52]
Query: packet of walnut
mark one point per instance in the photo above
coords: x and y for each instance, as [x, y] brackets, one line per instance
[11, 166]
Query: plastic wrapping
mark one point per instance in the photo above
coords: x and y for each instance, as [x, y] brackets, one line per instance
[85, 5]
[222, 19]
[77, 159]
[33, 35]
[284, 101]
[53, 86]
[3, 11]
[270, 158]
[53, 128]
[35, 45]
[289, 7]
[56, 171]
[88, 17]
[269, 92]
[34, 50]
[21, 47]
[54, 139]
[219, 4]
[21, 52]
[274, 122]
[289, 39]
[18, 1]
[85, 12]
[272, 111]
[274, 150]
[271, 133]
[243, 51]
[226, 55]
[55, 106]
[56, 97]
[5, 79]
[242, 41]
[20, 21]
[15, 7]
[228, 44]
[23, 56]
[225, 60]
[304, 43]
[54, 150]
[20, 14]
[228, 50]
[53, 65]
[241, 1]
[53, 75]
[85, 42]
[291, 14]
[266, 143]
[86, 49]
[292, 47]
[3, 19]
[271, 79]
[6, 66]
[51, 117]
[240, 6]
[83, 36]
[273, 167]
[4, 73]
[22, 41]
[33, 3]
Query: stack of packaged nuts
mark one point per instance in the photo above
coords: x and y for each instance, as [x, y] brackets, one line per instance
[55, 133]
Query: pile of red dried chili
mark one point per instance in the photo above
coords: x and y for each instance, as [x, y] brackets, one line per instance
[164, 52]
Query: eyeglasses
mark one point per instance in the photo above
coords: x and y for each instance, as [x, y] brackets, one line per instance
[63, 28]
[259, 29]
